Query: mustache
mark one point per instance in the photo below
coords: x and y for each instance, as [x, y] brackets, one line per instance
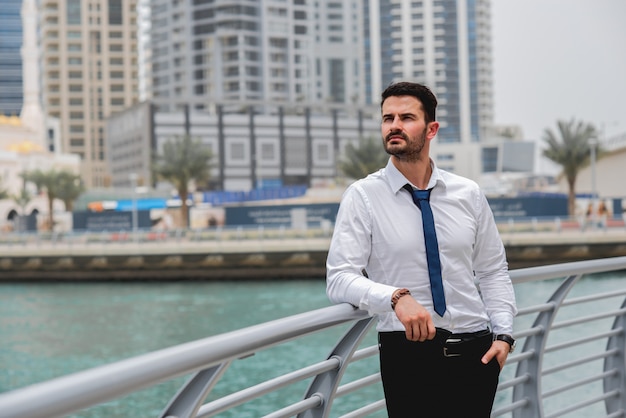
[396, 133]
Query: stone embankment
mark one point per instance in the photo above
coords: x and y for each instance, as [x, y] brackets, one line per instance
[156, 256]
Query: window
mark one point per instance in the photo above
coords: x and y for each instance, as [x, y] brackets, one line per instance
[268, 152]
[115, 12]
[237, 151]
[73, 12]
[323, 152]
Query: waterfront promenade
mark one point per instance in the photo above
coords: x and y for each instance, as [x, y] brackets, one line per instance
[248, 253]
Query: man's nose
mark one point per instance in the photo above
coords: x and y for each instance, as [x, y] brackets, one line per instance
[396, 123]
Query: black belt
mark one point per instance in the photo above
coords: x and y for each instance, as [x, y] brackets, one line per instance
[455, 345]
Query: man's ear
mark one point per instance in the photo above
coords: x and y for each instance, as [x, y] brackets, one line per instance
[432, 129]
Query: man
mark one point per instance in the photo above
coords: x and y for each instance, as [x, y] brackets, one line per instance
[440, 353]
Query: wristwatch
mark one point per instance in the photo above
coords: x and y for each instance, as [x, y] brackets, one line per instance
[507, 339]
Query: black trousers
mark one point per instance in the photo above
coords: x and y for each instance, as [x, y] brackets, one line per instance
[441, 378]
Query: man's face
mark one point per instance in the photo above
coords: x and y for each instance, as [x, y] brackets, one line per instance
[404, 129]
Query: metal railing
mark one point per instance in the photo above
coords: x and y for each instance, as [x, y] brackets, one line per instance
[554, 359]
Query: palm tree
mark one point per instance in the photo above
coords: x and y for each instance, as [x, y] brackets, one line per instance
[3, 192]
[570, 147]
[22, 199]
[63, 184]
[183, 159]
[69, 188]
[360, 161]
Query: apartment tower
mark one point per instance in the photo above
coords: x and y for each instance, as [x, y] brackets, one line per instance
[10, 57]
[89, 71]
[445, 44]
[255, 51]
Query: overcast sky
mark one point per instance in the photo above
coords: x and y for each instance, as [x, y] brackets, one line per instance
[559, 59]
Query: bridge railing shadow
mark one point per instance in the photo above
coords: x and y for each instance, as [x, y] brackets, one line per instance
[570, 358]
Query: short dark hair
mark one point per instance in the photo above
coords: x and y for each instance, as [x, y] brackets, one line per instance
[419, 91]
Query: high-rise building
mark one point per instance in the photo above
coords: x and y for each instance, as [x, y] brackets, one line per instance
[10, 57]
[246, 51]
[89, 71]
[323, 60]
[445, 44]
[144, 50]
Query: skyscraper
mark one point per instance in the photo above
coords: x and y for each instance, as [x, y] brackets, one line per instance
[89, 71]
[244, 51]
[326, 51]
[445, 44]
[10, 57]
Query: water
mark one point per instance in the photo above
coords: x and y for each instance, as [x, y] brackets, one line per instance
[52, 329]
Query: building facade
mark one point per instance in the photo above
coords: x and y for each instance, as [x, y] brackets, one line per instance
[89, 71]
[272, 50]
[445, 44]
[289, 146]
[329, 52]
[10, 57]
[30, 141]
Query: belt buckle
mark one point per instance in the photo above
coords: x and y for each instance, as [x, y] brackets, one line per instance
[445, 348]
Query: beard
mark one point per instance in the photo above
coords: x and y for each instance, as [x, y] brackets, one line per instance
[410, 150]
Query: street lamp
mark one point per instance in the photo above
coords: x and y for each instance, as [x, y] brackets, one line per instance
[133, 185]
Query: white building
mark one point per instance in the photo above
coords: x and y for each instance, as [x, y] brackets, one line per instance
[270, 50]
[31, 141]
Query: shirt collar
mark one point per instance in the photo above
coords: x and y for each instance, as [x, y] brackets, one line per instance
[397, 179]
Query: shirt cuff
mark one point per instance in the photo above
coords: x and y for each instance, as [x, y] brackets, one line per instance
[377, 299]
[502, 323]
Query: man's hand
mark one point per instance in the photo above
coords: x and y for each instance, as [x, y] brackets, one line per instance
[417, 321]
[500, 350]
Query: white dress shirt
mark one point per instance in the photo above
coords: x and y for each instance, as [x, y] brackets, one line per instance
[378, 247]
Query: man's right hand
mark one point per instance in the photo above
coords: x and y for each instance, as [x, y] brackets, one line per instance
[418, 323]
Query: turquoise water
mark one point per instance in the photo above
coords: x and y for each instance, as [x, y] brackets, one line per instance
[52, 329]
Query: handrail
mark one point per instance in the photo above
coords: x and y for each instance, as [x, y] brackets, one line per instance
[207, 360]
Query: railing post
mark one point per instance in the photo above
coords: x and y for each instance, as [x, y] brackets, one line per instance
[325, 384]
[530, 390]
[617, 381]
[188, 400]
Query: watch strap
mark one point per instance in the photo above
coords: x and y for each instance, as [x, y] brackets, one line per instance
[507, 339]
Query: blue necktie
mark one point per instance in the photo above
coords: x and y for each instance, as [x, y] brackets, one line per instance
[421, 199]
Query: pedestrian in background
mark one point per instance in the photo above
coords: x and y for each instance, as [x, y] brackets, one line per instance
[419, 247]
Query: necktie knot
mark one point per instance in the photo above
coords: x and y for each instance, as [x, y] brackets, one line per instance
[418, 195]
